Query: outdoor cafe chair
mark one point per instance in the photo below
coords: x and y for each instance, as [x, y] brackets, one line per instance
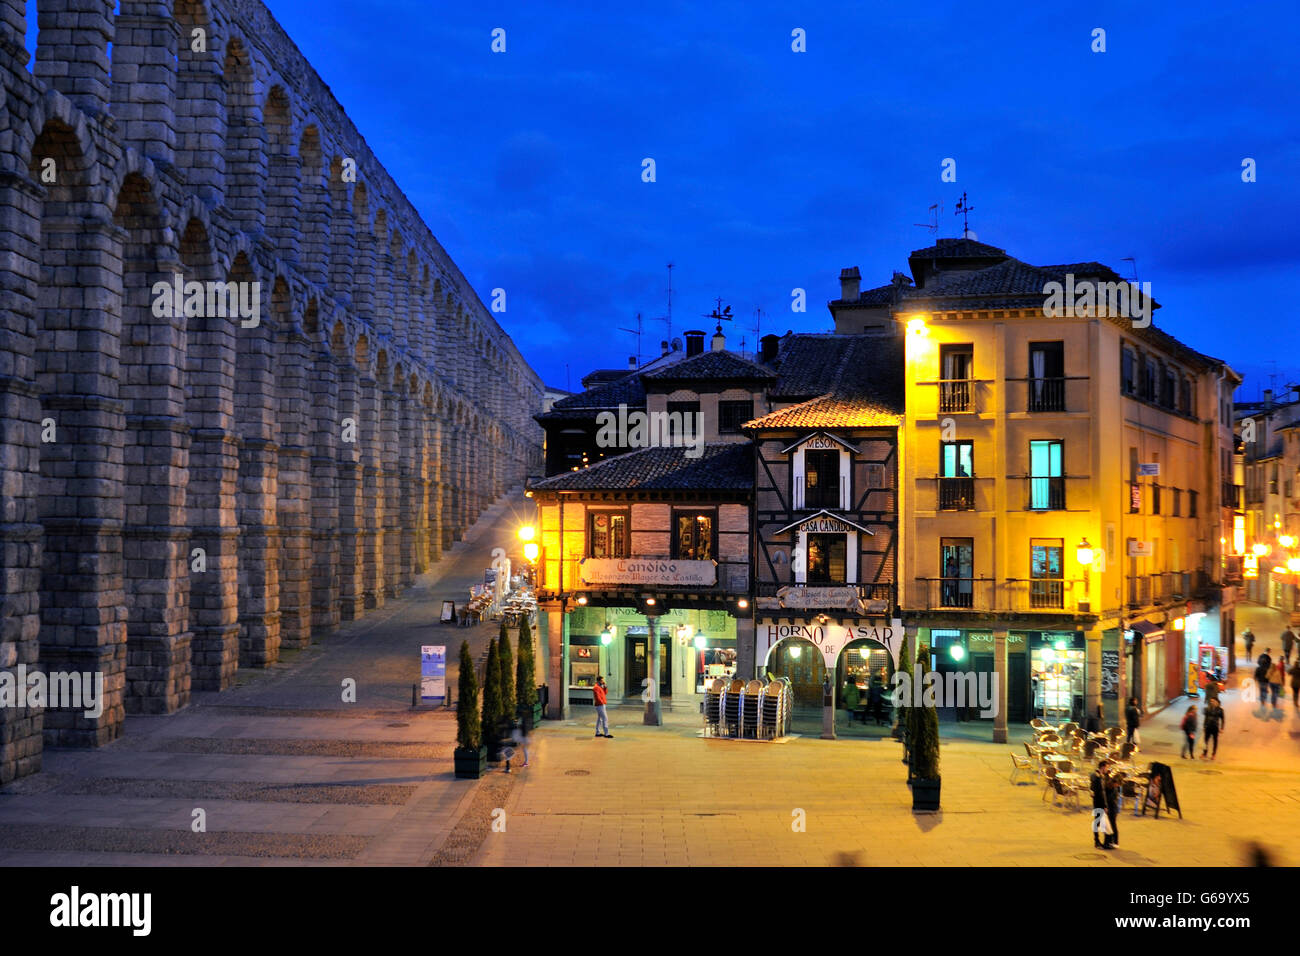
[1066, 792]
[1020, 765]
[1039, 724]
[1128, 750]
[1049, 779]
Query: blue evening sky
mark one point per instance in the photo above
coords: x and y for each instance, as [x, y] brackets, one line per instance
[775, 169]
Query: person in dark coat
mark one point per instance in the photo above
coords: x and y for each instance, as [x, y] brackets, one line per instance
[1094, 723]
[1132, 717]
[1262, 667]
[1188, 727]
[1114, 796]
[1214, 722]
[1288, 642]
[1097, 782]
[1248, 638]
[1295, 684]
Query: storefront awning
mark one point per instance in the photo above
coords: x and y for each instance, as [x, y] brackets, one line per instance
[1148, 630]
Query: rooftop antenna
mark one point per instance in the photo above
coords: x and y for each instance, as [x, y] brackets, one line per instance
[758, 328]
[964, 209]
[1133, 263]
[568, 385]
[668, 319]
[637, 333]
[933, 225]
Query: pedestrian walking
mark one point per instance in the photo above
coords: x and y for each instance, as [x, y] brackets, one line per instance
[506, 730]
[1214, 722]
[1101, 821]
[1248, 636]
[1288, 642]
[1276, 679]
[1262, 667]
[1189, 733]
[1295, 684]
[1114, 796]
[600, 691]
[1132, 717]
[519, 734]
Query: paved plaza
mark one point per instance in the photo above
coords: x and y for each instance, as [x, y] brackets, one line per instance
[287, 774]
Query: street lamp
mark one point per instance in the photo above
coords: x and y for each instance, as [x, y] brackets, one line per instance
[1293, 565]
[531, 551]
[1260, 550]
[1286, 541]
[1083, 553]
[607, 636]
[527, 533]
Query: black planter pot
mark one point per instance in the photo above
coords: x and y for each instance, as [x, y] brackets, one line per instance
[925, 794]
[493, 748]
[470, 764]
[529, 717]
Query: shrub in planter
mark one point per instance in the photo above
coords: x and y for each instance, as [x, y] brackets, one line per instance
[470, 756]
[492, 703]
[529, 707]
[507, 663]
[925, 746]
[901, 725]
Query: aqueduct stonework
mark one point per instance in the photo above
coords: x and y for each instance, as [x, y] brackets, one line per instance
[185, 492]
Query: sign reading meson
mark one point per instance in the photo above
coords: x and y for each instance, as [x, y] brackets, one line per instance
[687, 574]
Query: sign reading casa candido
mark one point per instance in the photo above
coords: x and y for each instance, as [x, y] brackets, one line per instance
[663, 571]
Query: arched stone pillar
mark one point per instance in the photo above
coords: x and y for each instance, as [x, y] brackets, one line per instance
[145, 42]
[294, 490]
[325, 516]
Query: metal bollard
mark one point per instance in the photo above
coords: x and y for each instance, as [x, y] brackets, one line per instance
[415, 695]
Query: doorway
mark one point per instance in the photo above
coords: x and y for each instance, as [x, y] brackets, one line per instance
[638, 665]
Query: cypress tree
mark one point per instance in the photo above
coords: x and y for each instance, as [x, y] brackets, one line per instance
[492, 700]
[507, 673]
[525, 671]
[469, 726]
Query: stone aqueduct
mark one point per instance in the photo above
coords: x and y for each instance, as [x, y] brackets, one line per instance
[183, 496]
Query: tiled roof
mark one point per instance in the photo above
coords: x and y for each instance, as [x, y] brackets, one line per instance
[829, 411]
[958, 249]
[625, 391]
[721, 466]
[868, 367]
[1008, 284]
[719, 364]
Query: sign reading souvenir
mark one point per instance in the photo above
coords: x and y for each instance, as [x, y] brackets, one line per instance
[1149, 469]
[1140, 549]
[687, 574]
[830, 639]
[433, 673]
[1110, 674]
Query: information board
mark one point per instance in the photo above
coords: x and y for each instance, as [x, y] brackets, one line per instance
[433, 673]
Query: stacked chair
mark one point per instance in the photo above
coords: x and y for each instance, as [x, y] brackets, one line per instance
[753, 710]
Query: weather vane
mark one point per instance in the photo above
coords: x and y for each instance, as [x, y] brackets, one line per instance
[719, 313]
[963, 208]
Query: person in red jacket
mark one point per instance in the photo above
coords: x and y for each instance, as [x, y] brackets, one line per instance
[602, 716]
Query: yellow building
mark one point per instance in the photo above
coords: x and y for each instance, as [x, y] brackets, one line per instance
[1062, 471]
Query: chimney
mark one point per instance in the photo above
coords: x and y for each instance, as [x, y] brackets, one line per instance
[694, 342]
[719, 340]
[663, 347]
[1268, 398]
[770, 346]
[850, 284]
[631, 362]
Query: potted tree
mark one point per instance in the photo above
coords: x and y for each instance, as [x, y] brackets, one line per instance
[470, 755]
[900, 712]
[530, 708]
[924, 735]
[492, 703]
[507, 663]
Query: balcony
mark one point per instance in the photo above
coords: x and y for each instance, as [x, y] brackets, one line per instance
[955, 394]
[1046, 395]
[1042, 594]
[1232, 569]
[1045, 494]
[956, 494]
[966, 594]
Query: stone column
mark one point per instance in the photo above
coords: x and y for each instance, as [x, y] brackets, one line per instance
[653, 709]
[406, 527]
[390, 481]
[434, 457]
[283, 201]
[351, 538]
[325, 515]
[446, 479]
[1001, 670]
[557, 664]
[343, 240]
[200, 122]
[72, 50]
[259, 572]
[746, 652]
[293, 504]
[20, 452]
[372, 509]
[1092, 670]
[212, 501]
[145, 45]
[155, 546]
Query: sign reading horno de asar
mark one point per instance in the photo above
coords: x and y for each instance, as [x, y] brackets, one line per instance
[687, 574]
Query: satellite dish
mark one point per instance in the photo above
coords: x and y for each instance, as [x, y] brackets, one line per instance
[677, 345]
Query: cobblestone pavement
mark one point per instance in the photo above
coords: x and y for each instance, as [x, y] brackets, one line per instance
[285, 772]
[663, 796]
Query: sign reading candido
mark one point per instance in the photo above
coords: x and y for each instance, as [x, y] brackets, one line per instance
[687, 574]
[831, 638]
